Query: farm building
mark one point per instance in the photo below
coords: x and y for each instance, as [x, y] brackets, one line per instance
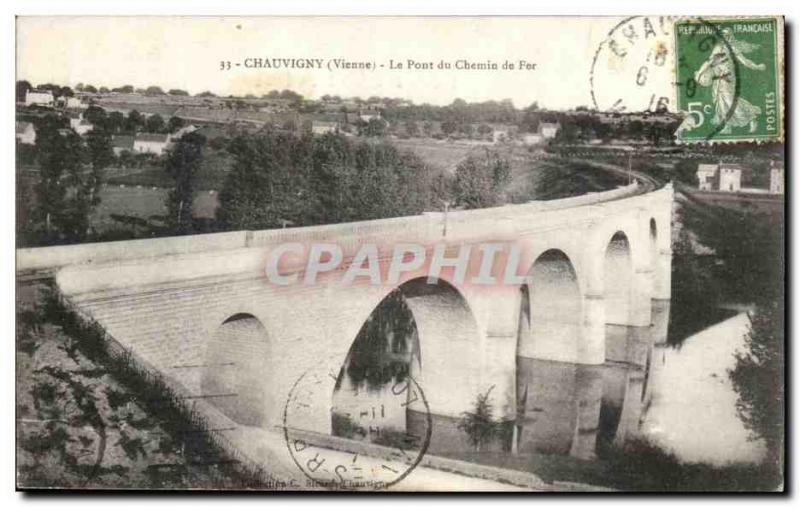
[25, 133]
[722, 177]
[39, 98]
[151, 143]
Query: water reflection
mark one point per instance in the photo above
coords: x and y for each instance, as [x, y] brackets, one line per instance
[677, 398]
[365, 400]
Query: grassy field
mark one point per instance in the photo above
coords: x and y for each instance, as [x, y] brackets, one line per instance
[442, 155]
[211, 176]
[143, 202]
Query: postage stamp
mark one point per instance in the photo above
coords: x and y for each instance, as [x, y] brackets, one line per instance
[728, 79]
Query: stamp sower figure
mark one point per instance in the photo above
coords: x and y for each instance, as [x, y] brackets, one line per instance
[718, 72]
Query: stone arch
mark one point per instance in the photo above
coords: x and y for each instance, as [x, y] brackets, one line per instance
[236, 374]
[555, 310]
[618, 279]
[442, 354]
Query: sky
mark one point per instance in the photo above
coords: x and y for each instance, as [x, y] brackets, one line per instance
[186, 53]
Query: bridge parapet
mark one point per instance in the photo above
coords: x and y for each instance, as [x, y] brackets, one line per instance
[429, 225]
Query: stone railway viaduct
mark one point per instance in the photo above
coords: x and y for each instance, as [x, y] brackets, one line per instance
[200, 310]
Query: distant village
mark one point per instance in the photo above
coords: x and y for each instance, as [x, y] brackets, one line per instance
[349, 117]
[490, 123]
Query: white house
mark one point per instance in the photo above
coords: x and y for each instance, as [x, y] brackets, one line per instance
[530, 139]
[730, 177]
[81, 126]
[366, 117]
[549, 130]
[722, 177]
[324, 127]
[151, 143]
[25, 132]
[706, 174]
[39, 98]
[500, 135]
[71, 103]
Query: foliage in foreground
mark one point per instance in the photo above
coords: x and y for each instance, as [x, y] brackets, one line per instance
[109, 393]
[479, 425]
[758, 379]
[643, 466]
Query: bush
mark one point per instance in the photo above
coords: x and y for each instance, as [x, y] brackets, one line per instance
[480, 426]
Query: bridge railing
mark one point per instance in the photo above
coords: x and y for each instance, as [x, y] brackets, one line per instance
[50, 257]
[419, 228]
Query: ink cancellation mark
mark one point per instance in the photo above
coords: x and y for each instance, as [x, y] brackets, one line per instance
[630, 70]
[337, 463]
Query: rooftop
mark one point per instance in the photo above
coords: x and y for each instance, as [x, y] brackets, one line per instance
[123, 142]
[152, 138]
[22, 126]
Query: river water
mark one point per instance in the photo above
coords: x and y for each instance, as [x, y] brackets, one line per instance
[677, 398]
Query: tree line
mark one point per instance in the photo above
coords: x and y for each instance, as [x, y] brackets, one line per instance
[277, 179]
[281, 179]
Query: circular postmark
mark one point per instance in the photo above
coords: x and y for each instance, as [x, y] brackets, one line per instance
[630, 69]
[634, 69]
[338, 463]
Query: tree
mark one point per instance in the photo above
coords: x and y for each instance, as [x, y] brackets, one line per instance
[95, 115]
[134, 122]
[90, 89]
[154, 90]
[182, 163]
[290, 95]
[375, 127]
[448, 127]
[278, 177]
[480, 181]
[758, 380]
[467, 129]
[175, 123]
[23, 87]
[265, 186]
[101, 155]
[154, 123]
[411, 128]
[178, 92]
[115, 122]
[63, 204]
[480, 425]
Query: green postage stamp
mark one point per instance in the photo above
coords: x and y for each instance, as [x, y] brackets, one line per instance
[729, 80]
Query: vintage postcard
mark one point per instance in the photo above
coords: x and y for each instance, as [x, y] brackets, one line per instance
[400, 254]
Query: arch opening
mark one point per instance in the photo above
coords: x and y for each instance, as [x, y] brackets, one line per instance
[415, 331]
[618, 280]
[554, 307]
[235, 374]
[548, 337]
